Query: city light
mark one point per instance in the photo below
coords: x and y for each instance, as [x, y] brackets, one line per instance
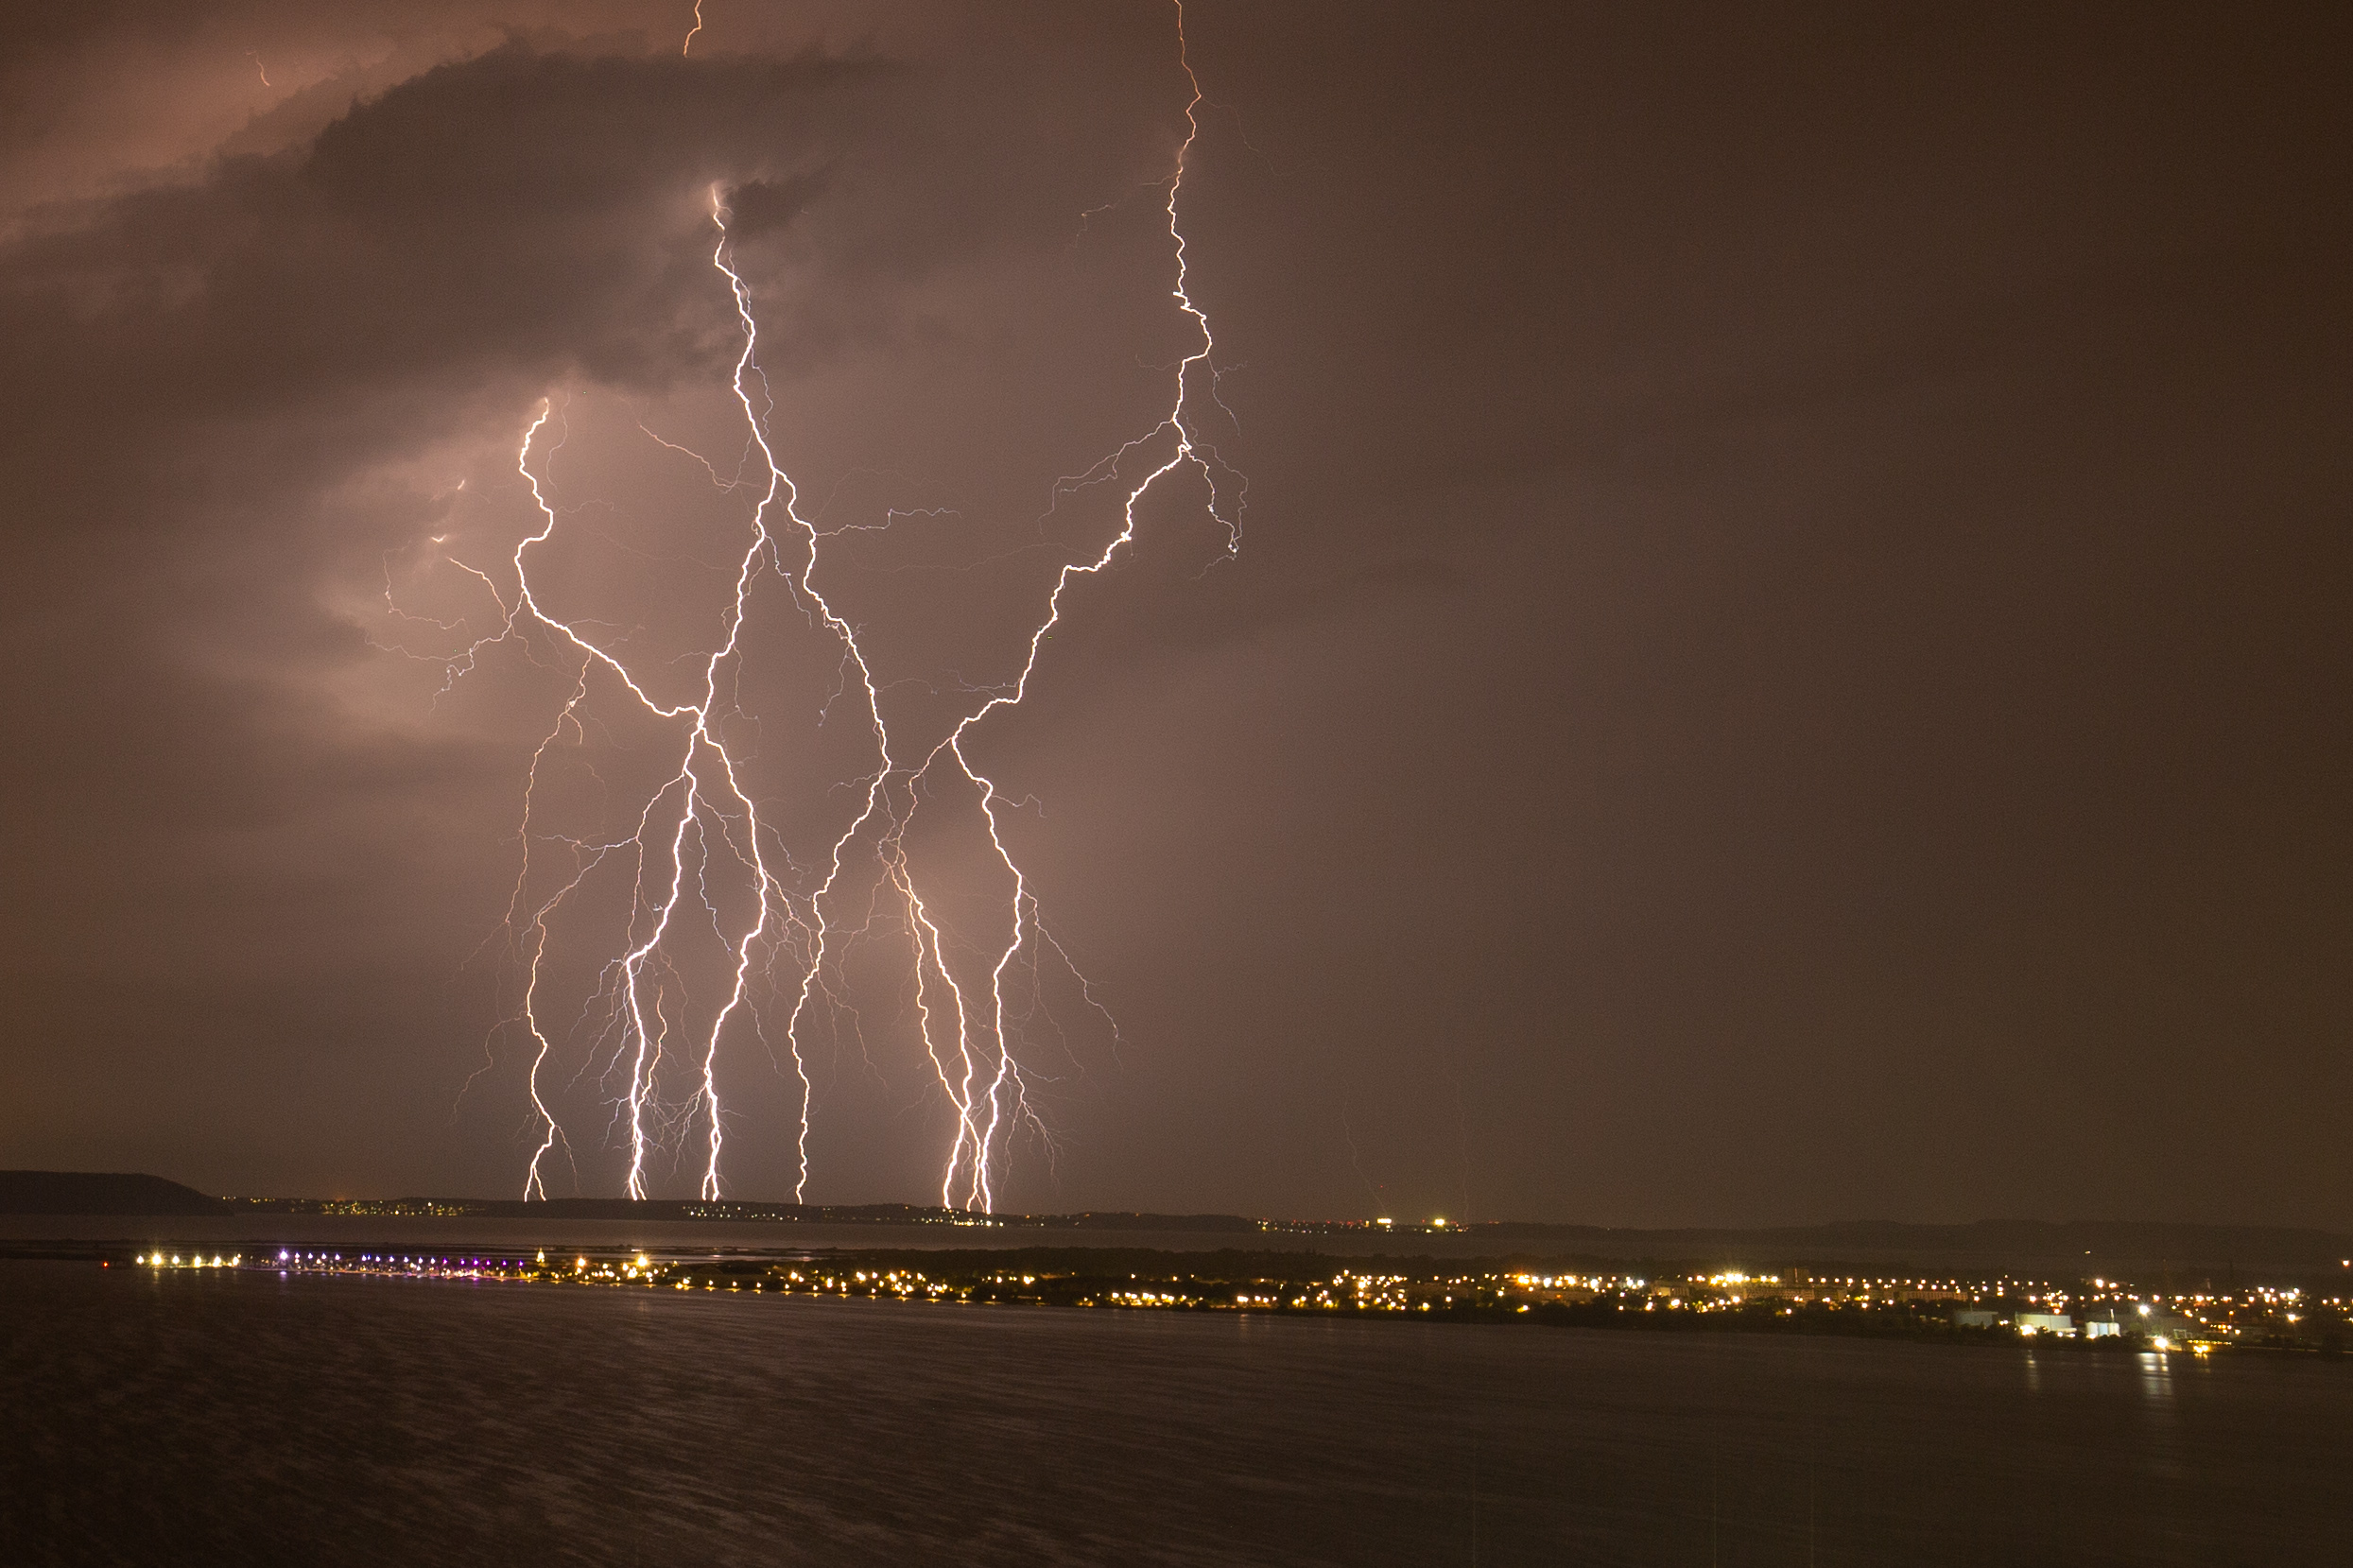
[2098, 1314]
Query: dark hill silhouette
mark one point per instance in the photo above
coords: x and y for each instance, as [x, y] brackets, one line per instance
[75, 1192]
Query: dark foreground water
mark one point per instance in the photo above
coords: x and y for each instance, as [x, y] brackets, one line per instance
[188, 1418]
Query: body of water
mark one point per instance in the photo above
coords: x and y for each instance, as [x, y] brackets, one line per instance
[161, 1417]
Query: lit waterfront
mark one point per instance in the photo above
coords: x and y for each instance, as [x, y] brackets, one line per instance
[2198, 1322]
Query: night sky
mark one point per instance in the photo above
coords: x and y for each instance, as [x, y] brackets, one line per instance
[1787, 658]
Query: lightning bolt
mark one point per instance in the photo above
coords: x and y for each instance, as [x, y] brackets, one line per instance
[691, 31]
[977, 1128]
[702, 813]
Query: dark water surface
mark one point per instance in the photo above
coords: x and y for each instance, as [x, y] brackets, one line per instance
[189, 1418]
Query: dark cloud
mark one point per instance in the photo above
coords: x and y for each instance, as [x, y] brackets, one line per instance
[485, 223]
[757, 206]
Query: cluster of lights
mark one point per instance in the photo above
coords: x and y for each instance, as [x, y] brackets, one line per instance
[2195, 1321]
[1386, 1222]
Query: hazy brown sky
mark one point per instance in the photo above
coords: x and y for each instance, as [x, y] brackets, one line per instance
[1787, 659]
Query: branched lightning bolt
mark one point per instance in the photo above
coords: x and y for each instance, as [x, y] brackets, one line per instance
[703, 809]
[981, 1110]
[700, 799]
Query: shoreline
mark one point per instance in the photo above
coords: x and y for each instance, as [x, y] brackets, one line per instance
[1312, 1285]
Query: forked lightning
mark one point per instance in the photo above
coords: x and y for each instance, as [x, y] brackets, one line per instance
[703, 815]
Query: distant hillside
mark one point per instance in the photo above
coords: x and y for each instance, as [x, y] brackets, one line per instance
[2056, 1250]
[726, 1209]
[2066, 1248]
[75, 1192]
[2081, 1246]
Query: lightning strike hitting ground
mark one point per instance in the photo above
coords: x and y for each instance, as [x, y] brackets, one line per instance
[702, 817]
